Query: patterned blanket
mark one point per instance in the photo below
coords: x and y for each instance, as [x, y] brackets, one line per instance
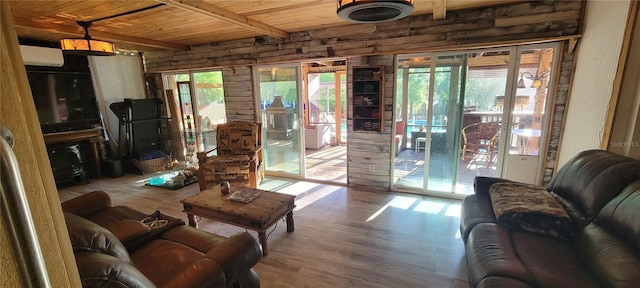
[529, 207]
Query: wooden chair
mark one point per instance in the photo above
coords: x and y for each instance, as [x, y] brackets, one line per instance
[238, 159]
[480, 139]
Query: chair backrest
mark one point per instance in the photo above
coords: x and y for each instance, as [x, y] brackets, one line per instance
[486, 131]
[399, 127]
[238, 138]
[239, 155]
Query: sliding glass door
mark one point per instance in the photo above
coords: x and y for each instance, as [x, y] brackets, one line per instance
[427, 159]
[280, 112]
[485, 115]
[196, 104]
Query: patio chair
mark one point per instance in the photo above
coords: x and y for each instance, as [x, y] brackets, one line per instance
[480, 139]
[238, 159]
[399, 135]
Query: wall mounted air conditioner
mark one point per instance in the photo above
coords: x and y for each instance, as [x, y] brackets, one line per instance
[41, 56]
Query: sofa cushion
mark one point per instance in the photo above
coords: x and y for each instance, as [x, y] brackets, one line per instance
[611, 244]
[522, 257]
[620, 215]
[529, 207]
[152, 259]
[502, 282]
[491, 253]
[125, 223]
[475, 209]
[101, 270]
[612, 260]
[594, 177]
[234, 254]
[551, 261]
[88, 236]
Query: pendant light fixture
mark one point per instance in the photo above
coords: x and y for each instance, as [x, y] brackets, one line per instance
[87, 46]
[537, 79]
[374, 11]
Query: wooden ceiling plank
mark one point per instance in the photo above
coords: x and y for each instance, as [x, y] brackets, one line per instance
[227, 16]
[439, 9]
[78, 31]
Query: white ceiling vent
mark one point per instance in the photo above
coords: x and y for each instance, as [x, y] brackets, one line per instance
[41, 56]
[374, 11]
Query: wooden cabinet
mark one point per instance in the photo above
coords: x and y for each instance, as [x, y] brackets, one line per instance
[368, 98]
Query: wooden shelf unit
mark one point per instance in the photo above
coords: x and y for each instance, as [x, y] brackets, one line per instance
[368, 98]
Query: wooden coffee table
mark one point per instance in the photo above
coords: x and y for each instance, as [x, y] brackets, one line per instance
[258, 215]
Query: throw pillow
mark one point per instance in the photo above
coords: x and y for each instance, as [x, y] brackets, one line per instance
[529, 207]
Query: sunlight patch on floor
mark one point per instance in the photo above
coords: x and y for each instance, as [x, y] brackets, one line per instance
[306, 192]
[453, 210]
[422, 206]
[429, 207]
[310, 198]
[401, 202]
[297, 188]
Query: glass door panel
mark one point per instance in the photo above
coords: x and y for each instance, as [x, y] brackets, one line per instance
[327, 104]
[480, 130]
[444, 110]
[426, 152]
[209, 94]
[465, 91]
[186, 109]
[341, 107]
[527, 112]
[279, 95]
[179, 85]
[411, 106]
[196, 104]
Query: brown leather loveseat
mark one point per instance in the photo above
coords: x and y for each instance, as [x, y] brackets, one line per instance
[114, 248]
[600, 193]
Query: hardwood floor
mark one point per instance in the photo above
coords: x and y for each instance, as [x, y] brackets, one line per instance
[343, 237]
[327, 164]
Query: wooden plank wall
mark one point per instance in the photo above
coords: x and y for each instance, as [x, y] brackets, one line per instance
[520, 22]
[238, 94]
[370, 148]
[510, 24]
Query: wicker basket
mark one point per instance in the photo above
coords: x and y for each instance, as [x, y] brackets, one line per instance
[152, 165]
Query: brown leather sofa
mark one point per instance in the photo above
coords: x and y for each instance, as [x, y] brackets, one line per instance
[114, 248]
[600, 192]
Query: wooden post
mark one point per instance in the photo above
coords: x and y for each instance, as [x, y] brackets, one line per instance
[174, 126]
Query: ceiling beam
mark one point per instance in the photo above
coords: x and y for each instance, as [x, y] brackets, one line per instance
[78, 31]
[222, 14]
[439, 9]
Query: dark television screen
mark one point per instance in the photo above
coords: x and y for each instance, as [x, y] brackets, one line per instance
[64, 100]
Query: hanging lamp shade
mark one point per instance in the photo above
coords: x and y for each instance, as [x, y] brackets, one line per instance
[87, 46]
[536, 83]
[521, 82]
[374, 11]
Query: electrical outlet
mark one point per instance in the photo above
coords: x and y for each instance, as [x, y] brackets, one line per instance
[372, 168]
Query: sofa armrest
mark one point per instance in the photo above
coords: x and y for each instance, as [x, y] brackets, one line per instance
[87, 204]
[481, 184]
[237, 254]
[202, 273]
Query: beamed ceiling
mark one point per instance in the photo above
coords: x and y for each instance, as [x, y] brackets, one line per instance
[177, 24]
